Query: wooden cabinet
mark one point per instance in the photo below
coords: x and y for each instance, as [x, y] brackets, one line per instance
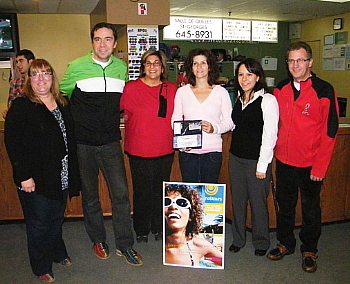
[9, 203]
[335, 194]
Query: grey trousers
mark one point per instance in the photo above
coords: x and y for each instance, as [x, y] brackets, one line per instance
[245, 186]
[109, 159]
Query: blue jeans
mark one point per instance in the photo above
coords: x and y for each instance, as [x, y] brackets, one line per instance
[109, 159]
[203, 168]
[289, 180]
[44, 219]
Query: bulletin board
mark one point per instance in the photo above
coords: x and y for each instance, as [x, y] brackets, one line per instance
[336, 52]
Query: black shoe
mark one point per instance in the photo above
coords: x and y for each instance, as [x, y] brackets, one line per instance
[279, 252]
[260, 252]
[142, 239]
[233, 248]
[66, 262]
[309, 262]
[158, 236]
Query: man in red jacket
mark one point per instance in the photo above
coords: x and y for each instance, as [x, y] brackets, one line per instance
[306, 138]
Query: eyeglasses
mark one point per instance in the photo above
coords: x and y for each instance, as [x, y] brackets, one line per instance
[155, 64]
[179, 201]
[46, 75]
[299, 60]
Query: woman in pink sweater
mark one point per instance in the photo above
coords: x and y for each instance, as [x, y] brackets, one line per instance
[202, 100]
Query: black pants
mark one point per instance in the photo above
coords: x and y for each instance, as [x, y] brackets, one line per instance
[289, 180]
[44, 218]
[148, 174]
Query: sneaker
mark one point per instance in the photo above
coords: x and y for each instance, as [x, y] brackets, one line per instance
[142, 239]
[66, 262]
[101, 250]
[309, 261]
[48, 277]
[279, 252]
[131, 257]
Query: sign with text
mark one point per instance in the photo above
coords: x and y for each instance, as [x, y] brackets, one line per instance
[140, 39]
[264, 31]
[185, 28]
[236, 30]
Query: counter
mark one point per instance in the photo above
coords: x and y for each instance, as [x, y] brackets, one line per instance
[335, 194]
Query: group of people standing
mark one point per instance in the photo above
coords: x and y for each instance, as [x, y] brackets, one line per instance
[59, 137]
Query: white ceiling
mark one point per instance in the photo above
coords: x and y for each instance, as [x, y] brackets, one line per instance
[274, 10]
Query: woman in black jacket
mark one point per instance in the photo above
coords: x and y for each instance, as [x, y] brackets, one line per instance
[39, 139]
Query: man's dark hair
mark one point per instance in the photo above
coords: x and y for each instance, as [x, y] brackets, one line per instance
[298, 45]
[104, 25]
[28, 54]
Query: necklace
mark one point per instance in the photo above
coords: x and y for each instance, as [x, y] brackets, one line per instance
[189, 252]
[245, 101]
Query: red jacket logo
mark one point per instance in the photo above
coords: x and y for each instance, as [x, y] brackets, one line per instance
[306, 109]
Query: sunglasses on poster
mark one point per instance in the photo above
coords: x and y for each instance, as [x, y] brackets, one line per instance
[179, 201]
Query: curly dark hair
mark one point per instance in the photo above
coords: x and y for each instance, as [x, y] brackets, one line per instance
[212, 64]
[196, 211]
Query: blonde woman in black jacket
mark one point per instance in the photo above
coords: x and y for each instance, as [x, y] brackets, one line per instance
[39, 138]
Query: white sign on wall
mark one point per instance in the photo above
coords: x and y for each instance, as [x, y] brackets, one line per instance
[269, 63]
[264, 31]
[236, 30]
[185, 28]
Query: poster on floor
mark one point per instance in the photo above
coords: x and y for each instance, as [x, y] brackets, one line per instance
[194, 225]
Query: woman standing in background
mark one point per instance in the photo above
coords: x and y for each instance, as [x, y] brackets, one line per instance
[255, 116]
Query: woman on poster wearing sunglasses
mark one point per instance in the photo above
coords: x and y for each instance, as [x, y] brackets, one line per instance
[183, 218]
[148, 104]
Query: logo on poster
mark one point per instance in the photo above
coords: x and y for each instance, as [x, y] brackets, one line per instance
[211, 189]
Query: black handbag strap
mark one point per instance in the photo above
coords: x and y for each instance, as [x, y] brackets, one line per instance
[162, 102]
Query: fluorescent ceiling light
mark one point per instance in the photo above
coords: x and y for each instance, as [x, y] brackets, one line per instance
[335, 1]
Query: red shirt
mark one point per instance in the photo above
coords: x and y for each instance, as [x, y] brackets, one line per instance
[146, 134]
[16, 88]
